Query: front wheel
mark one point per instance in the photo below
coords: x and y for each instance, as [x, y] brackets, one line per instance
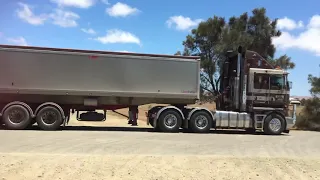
[200, 122]
[274, 124]
[49, 118]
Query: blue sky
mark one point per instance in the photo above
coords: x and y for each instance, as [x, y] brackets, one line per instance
[156, 26]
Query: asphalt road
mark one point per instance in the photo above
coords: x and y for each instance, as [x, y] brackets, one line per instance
[142, 141]
[139, 153]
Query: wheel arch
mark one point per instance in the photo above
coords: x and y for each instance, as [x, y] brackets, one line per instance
[169, 108]
[50, 104]
[200, 109]
[155, 109]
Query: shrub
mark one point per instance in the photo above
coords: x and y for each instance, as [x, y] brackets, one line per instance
[310, 116]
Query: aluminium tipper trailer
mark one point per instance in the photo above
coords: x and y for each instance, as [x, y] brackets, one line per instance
[41, 85]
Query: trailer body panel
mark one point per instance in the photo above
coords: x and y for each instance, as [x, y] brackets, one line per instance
[46, 72]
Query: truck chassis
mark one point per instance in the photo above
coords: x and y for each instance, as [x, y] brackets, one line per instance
[50, 116]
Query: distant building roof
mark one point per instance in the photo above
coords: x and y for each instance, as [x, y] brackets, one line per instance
[300, 97]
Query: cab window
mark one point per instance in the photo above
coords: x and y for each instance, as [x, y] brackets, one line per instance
[276, 82]
[261, 81]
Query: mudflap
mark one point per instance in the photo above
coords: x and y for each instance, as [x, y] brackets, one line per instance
[148, 120]
[66, 121]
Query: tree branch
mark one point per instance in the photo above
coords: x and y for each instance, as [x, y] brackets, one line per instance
[212, 92]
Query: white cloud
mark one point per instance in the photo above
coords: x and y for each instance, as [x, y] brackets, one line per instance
[121, 10]
[118, 36]
[1, 34]
[88, 31]
[289, 24]
[105, 2]
[314, 22]
[308, 40]
[182, 23]
[58, 17]
[25, 13]
[18, 41]
[74, 3]
[64, 18]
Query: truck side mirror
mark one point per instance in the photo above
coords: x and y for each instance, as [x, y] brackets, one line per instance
[289, 84]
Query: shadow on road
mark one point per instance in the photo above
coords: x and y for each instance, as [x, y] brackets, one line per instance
[140, 129]
[109, 128]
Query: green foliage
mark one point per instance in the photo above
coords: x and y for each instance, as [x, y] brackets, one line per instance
[186, 52]
[315, 85]
[213, 37]
[312, 108]
[284, 62]
[310, 118]
[178, 53]
[303, 102]
[204, 41]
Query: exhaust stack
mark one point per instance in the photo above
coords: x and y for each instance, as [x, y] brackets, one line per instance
[237, 80]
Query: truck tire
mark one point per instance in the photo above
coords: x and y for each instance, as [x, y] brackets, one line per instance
[273, 124]
[200, 122]
[151, 122]
[49, 118]
[169, 121]
[16, 117]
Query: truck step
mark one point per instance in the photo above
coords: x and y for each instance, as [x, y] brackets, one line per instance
[259, 121]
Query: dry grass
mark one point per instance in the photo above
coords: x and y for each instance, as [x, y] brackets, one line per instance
[302, 123]
[299, 109]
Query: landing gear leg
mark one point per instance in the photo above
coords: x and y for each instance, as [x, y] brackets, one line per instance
[130, 115]
[134, 113]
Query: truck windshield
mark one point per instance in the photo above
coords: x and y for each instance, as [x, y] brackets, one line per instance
[276, 82]
[266, 81]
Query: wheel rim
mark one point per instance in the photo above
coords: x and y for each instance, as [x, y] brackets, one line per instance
[170, 120]
[16, 116]
[275, 124]
[49, 117]
[201, 122]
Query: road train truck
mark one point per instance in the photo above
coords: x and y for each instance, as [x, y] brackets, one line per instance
[43, 86]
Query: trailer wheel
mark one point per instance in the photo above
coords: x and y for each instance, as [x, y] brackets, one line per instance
[169, 121]
[49, 118]
[200, 122]
[273, 124]
[16, 117]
